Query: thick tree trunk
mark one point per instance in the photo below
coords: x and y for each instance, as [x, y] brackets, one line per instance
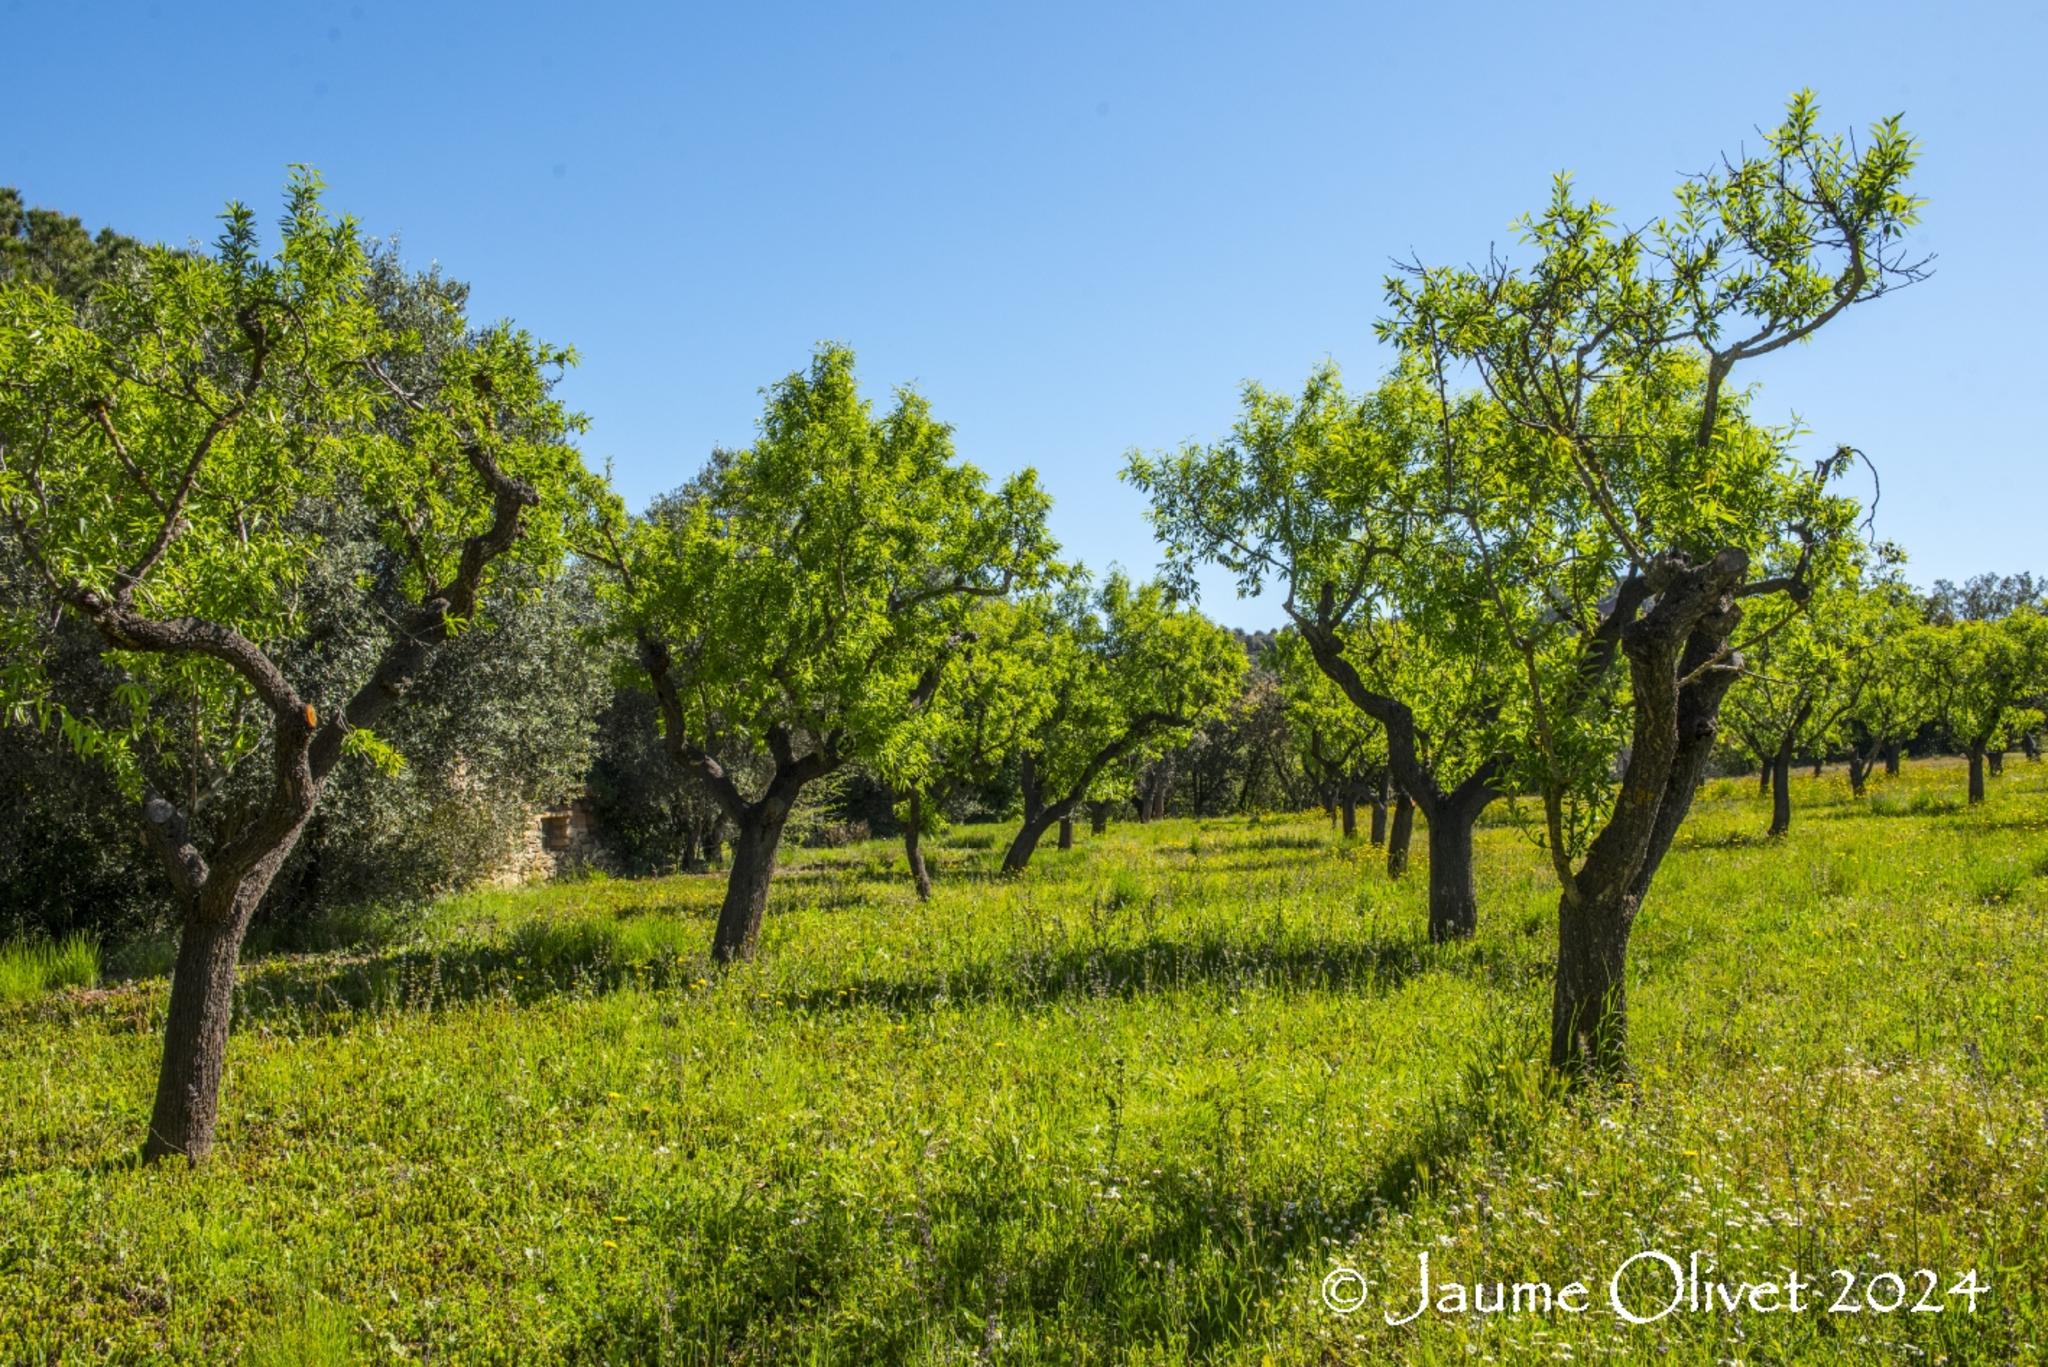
[1350, 817]
[1453, 901]
[754, 848]
[1066, 833]
[1398, 838]
[1670, 745]
[195, 1038]
[913, 848]
[202, 1003]
[1976, 773]
[1589, 1005]
[1781, 790]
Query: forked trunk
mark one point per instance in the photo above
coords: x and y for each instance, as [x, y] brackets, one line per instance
[1453, 902]
[1398, 838]
[754, 848]
[202, 1003]
[1676, 699]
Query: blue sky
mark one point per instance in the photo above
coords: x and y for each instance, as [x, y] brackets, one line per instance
[1077, 228]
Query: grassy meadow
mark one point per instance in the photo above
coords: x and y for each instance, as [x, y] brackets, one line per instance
[1132, 1108]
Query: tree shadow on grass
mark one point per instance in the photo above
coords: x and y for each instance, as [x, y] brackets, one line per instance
[1217, 1250]
[544, 960]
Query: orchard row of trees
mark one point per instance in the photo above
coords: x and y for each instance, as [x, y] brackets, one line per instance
[256, 507]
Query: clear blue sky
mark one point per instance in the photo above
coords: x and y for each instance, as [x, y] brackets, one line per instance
[1076, 228]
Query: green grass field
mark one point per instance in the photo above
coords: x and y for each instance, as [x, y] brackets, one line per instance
[1134, 1107]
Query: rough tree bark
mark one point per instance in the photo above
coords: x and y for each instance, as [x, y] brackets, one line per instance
[1675, 652]
[219, 893]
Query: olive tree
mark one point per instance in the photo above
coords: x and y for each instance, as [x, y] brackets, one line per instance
[800, 598]
[1128, 672]
[1627, 509]
[165, 457]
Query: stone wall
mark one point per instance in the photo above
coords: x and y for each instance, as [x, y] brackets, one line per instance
[555, 843]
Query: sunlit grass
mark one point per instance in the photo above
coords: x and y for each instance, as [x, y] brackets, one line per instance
[29, 968]
[1132, 1107]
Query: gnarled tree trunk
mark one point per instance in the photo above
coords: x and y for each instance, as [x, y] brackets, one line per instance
[1676, 694]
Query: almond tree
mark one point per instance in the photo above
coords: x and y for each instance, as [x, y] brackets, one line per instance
[992, 695]
[801, 597]
[1890, 703]
[1628, 509]
[1981, 680]
[1335, 500]
[1129, 672]
[169, 454]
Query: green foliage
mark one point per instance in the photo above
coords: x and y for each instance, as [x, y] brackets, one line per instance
[1605, 457]
[1121, 673]
[186, 447]
[805, 586]
[1983, 680]
[1334, 500]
